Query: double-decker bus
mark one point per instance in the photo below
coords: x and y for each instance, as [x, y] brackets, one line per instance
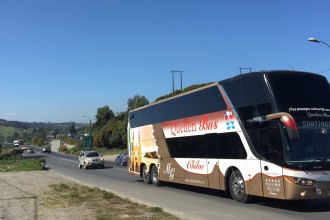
[257, 134]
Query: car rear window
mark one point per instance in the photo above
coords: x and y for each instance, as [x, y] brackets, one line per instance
[92, 154]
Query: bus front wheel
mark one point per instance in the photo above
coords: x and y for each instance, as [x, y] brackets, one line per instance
[237, 187]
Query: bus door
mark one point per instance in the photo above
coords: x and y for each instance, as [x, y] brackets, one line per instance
[212, 161]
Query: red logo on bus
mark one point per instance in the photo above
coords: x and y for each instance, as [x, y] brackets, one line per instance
[195, 165]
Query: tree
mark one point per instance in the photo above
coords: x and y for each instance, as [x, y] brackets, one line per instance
[56, 132]
[136, 102]
[103, 115]
[72, 129]
[39, 141]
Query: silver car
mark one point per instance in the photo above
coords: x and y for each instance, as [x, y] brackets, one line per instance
[30, 150]
[89, 159]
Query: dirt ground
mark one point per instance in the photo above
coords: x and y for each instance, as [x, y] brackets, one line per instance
[22, 193]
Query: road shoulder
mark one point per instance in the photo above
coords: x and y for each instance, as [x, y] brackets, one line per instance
[22, 193]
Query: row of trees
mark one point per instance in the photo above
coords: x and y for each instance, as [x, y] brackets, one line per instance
[110, 129]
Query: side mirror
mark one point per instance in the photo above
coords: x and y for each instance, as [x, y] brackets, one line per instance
[288, 121]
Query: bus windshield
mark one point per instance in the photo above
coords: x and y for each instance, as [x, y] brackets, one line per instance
[313, 144]
[306, 97]
[301, 95]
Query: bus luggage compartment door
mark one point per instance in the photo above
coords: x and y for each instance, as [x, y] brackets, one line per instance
[272, 180]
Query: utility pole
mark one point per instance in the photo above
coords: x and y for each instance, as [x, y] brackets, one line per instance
[244, 68]
[173, 72]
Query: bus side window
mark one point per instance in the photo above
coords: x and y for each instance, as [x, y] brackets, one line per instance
[231, 146]
[212, 146]
[270, 143]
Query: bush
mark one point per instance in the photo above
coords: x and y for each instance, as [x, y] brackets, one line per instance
[7, 152]
[63, 148]
[74, 151]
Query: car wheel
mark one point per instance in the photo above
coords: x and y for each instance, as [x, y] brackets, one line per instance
[237, 187]
[154, 176]
[145, 175]
[79, 165]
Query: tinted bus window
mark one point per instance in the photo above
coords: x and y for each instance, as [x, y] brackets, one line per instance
[299, 91]
[247, 90]
[197, 103]
[231, 146]
[225, 146]
[187, 147]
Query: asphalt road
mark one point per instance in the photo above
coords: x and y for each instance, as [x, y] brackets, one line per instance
[183, 201]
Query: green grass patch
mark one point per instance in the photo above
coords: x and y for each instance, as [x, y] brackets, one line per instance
[12, 163]
[103, 151]
[112, 151]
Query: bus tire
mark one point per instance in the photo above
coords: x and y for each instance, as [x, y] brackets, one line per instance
[145, 175]
[154, 176]
[237, 187]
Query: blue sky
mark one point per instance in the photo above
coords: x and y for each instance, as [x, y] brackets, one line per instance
[61, 59]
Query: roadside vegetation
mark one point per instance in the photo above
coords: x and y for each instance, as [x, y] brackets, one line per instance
[99, 204]
[9, 161]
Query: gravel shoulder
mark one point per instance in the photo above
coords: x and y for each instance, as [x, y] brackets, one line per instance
[21, 196]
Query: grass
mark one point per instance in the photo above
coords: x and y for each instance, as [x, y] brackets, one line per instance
[103, 151]
[112, 151]
[15, 163]
[99, 203]
[7, 131]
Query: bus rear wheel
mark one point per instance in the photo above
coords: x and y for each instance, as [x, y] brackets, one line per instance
[237, 187]
[145, 175]
[154, 176]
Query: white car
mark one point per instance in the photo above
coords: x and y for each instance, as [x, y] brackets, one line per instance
[90, 159]
[46, 149]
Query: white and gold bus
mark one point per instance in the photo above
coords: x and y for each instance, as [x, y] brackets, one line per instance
[258, 134]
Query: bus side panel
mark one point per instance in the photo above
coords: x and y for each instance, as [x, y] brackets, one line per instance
[160, 140]
[172, 171]
[254, 182]
[216, 178]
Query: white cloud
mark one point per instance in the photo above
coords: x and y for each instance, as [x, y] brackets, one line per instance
[9, 116]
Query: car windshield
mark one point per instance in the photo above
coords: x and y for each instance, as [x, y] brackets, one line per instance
[92, 154]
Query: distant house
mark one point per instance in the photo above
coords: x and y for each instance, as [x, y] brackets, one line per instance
[73, 135]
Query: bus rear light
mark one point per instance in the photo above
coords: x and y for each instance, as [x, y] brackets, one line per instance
[300, 181]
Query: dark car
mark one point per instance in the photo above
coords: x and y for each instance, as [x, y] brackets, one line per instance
[30, 150]
[121, 159]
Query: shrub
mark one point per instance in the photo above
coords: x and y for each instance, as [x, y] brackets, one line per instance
[63, 148]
